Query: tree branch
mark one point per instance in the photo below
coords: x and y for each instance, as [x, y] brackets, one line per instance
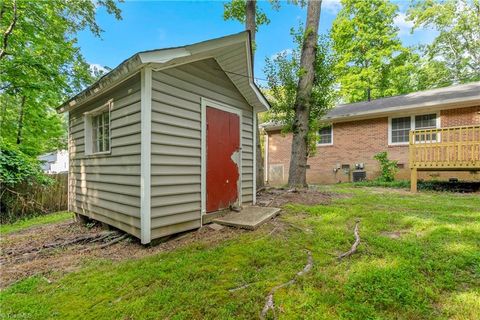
[9, 30]
[355, 244]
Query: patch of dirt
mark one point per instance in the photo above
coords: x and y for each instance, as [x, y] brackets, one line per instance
[393, 234]
[26, 253]
[278, 197]
[30, 252]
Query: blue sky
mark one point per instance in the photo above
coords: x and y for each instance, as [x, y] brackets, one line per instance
[159, 24]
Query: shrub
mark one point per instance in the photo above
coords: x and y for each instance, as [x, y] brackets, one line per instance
[17, 167]
[388, 168]
[22, 181]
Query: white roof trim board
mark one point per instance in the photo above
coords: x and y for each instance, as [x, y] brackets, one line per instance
[232, 53]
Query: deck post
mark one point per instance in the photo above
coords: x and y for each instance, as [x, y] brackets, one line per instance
[413, 180]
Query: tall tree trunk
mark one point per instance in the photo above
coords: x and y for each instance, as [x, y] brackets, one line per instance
[20, 120]
[250, 24]
[297, 175]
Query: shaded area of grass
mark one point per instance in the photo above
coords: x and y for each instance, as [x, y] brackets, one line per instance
[36, 221]
[431, 270]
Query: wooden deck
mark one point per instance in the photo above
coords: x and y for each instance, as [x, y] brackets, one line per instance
[445, 149]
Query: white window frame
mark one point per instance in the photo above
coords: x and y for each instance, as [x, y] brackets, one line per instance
[87, 118]
[412, 125]
[329, 143]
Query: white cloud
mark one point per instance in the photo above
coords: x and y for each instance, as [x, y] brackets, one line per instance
[402, 23]
[332, 6]
[286, 52]
[95, 68]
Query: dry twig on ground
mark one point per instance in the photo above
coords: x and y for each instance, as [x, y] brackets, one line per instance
[354, 247]
[269, 301]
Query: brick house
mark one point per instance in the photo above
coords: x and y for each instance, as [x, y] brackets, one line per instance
[355, 132]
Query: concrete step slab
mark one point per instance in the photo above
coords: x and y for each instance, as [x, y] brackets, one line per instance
[251, 217]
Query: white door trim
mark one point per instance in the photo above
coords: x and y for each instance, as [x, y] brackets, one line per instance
[224, 107]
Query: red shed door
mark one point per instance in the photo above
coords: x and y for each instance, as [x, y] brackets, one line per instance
[223, 152]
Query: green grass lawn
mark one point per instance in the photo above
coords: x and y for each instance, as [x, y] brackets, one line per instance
[36, 221]
[429, 270]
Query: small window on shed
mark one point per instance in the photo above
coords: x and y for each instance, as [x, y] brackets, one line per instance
[325, 136]
[97, 130]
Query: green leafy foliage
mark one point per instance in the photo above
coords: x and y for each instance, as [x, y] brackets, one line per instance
[283, 71]
[370, 59]
[235, 10]
[17, 167]
[388, 168]
[42, 66]
[454, 55]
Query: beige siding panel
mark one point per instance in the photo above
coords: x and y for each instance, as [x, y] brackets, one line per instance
[174, 180]
[177, 121]
[161, 191]
[120, 190]
[182, 113]
[168, 170]
[113, 219]
[126, 140]
[90, 194]
[125, 130]
[192, 88]
[175, 209]
[130, 215]
[175, 199]
[175, 219]
[165, 94]
[175, 228]
[117, 178]
[115, 161]
[174, 140]
[176, 160]
[176, 134]
[111, 170]
[125, 120]
[106, 187]
[172, 150]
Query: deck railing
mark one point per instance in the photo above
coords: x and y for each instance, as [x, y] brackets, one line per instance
[446, 148]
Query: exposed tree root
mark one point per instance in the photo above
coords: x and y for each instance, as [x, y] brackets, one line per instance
[113, 241]
[239, 288]
[84, 238]
[269, 301]
[354, 245]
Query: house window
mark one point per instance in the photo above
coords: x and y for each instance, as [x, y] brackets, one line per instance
[426, 121]
[101, 132]
[97, 130]
[400, 129]
[401, 126]
[325, 136]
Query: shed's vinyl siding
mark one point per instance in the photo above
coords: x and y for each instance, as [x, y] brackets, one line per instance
[176, 142]
[107, 187]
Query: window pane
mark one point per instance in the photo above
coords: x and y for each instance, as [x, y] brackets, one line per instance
[400, 129]
[101, 132]
[426, 121]
[325, 135]
[401, 123]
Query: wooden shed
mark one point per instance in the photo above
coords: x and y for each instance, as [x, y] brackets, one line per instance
[166, 138]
